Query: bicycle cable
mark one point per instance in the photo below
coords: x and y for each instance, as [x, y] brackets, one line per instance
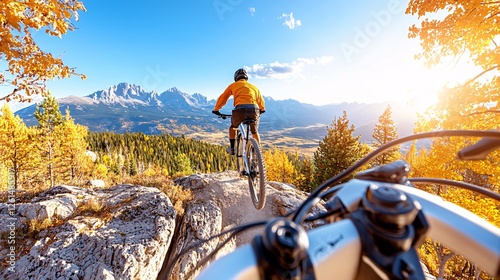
[330, 182]
[463, 185]
[234, 231]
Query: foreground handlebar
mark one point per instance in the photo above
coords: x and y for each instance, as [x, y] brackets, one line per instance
[333, 248]
[449, 224]
[336, 249]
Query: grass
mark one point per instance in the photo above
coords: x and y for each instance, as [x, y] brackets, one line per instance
[177, 195]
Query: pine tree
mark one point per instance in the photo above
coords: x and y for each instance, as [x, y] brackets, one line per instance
[49, 116]
[384, 132]
[338, 150]
[181, 165]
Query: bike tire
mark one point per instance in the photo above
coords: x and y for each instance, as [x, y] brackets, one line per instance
[257, 176]
[240, 165]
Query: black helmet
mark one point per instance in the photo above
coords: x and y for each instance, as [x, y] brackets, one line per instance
[240, 74]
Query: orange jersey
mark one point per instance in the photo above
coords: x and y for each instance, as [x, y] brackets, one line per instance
[243, 92]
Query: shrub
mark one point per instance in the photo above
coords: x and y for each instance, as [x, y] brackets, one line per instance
[177, 195]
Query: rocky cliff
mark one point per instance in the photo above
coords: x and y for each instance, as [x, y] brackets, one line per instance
[130, 232]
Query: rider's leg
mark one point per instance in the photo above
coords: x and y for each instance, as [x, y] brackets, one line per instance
[232, 136]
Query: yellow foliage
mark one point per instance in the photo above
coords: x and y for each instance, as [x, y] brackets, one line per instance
[92, 205]
[149, 172]
[279, 167]
[177, 194]
[17, 150]
[448, 27]
[100, 171]
[28, 66]
[71, 158]
[35, 226]
[4, 178]
[453, 30]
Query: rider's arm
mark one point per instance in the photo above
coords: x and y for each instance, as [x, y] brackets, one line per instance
[221, 101]
[260, 101]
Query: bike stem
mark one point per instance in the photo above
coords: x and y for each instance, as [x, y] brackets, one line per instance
[391, 225]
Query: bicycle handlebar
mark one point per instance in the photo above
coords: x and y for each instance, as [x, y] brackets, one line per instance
[223, 116]
[336, 248]
[374, 223]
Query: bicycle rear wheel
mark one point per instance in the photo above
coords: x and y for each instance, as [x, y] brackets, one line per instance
[257, 176]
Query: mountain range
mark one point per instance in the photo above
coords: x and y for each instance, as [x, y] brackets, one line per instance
[130, 108]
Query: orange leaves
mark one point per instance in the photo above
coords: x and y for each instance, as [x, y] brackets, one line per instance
[28, 66]
[452, 28]
[278, 166]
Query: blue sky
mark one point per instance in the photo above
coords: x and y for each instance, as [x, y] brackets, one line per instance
[316, 51]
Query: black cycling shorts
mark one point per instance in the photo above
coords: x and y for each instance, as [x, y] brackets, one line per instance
[240, 114]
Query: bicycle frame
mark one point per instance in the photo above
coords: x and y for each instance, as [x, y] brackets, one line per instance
[243, 134]
[250, 165]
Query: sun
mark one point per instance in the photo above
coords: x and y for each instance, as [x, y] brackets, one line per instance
[421, 99]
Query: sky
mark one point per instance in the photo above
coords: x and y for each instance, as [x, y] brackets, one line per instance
[316, 51]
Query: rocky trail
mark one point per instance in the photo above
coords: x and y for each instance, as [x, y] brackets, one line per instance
[131, 232]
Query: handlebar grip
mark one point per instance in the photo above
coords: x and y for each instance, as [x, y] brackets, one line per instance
[479, 150]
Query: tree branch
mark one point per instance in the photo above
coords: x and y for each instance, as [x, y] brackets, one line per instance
[9, 96]
[490, 3]
[483, 112]
[482, 73]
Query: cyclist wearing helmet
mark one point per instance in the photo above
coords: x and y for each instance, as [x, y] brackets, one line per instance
[248, 103]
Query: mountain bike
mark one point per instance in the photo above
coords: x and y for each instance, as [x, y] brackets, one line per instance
[250, 162]
[371, 228]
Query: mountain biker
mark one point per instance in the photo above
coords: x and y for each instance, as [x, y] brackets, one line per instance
[248, 104]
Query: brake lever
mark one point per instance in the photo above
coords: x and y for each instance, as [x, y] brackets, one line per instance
[479, 150]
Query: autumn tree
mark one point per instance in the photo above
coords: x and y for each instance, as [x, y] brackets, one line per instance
[461, 31]
[29, 67]
[338, 150]
[18, 150]
[279, 167]
[71, 157]
[384, 132]
[4, 177]
[305, 169]
[49, 117]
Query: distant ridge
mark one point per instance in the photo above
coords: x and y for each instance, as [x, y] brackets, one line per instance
[130, 108]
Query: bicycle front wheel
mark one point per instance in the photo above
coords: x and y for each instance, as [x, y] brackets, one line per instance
[257, 174]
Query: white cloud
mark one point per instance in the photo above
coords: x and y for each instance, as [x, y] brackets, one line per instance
[252, 10]
[290, 21]
[282, 71]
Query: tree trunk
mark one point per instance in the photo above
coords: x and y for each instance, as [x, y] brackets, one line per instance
[443, 258]
[51, 166]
